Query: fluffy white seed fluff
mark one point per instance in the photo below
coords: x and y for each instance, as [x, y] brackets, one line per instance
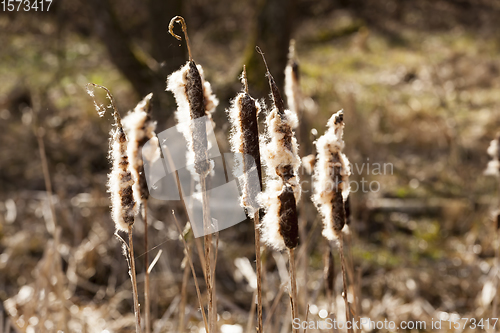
[121, 180]
[246, 179]
[139, 129]
[278, 156]
[292, 91]
[329, 148]
[493, 168]
[176, 83]
[270, 228]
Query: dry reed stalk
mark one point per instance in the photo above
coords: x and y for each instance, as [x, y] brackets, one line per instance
[121, 180]
[182, 305]
[140, 128]
[252, 313]
[147, 304]
[280, 228]
[331, 189]
[40, 133]
[243, 115]
[188, 256]
[195, 102]
[273, 307]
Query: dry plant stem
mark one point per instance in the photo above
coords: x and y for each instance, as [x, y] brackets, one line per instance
[252, 313]
[293, 285]
[344, 279]
[147, 309]
[353, 274]
[46, 177]
[209, 259]
[182, 306]
[307, 317]
[258, 265]
[134, 281]
[188, 254]
[273, 307]
[197, 242]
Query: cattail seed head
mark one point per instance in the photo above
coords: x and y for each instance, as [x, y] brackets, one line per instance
[280, 224]
[288, 221]
[120, 182]
[139, 128]
[331, 178]
[245, 144]
[195, 100]
[281, 151]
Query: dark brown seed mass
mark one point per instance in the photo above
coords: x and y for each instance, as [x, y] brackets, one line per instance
[288, 220]
[250, 130]
[338, 211]
[194, 92]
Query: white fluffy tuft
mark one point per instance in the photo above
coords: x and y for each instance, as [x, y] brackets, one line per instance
[139, 128]
[120, 182]
[247, 199]
[270, 227]
[329, 148]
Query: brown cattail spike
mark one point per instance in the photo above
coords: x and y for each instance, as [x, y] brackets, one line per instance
[331, 178]
[347, 207]
[250, 130]
[140, 129]
[278, 101]
[288, 221]
[121, 180]
[182, 22]
[194, 92]
[245, 144]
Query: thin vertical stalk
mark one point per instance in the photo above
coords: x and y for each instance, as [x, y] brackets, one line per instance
[293, 285]
[209, 259]
[182, 305]
[147, 309]
[344, 279]
[134, 281]
[188, 254]
[258, 265]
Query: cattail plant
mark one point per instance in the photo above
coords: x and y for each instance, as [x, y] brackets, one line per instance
[280, 228]
[196, 102]
[140, 128]
[244, 141]
[120, 183]
[331, 187]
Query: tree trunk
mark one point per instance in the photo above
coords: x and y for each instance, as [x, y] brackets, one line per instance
[272, 32]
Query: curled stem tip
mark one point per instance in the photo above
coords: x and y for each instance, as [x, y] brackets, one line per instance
[116, 115]
[244, 79]
[182, 22]
[259, 51]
